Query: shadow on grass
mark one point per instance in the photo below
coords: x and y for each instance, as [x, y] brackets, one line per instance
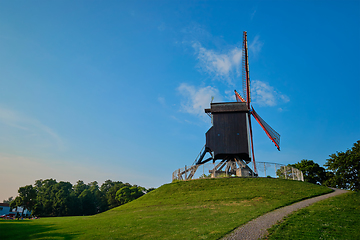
[30, 229]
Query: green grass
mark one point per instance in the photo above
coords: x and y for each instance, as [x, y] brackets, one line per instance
[334, 218]
[198, 209]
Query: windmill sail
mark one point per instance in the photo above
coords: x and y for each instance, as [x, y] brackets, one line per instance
[239, 98]
[271, 133]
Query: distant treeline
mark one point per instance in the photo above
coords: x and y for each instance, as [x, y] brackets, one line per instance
[51, 198]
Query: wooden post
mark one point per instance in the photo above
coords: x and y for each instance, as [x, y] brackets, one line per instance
[285, 172]
[185, 173]
[298, 174]
[275, 170]
[214, 170]
[302, 176]
[264, 169]
[292, 172]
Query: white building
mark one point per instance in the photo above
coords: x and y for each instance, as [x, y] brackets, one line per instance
[4, 208]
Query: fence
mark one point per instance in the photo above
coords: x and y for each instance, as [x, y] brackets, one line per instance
[237, 168]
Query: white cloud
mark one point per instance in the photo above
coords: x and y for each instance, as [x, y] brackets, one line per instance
[197, 99]
[265, 95]
[255, 46]
[28, 124]
[230, 96]
[219, 65]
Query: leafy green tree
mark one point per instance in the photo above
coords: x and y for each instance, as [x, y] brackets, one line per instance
[127, 194]
[284, 172]
[65, 202]
[43, 206]
[45, 197]
[87, 201]
[110, 190]
[63, 199]
[99, 197]
[105, 187]
[344, 168]
[312, 171]
[79, 187]
[111, 194]
[26, 198]
[150, 189]
[9, 200]
[16, 202]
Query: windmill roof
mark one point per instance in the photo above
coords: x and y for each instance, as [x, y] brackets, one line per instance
[227, 107]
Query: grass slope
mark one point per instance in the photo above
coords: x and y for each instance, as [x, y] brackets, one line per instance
[334, 218]
[198, 209]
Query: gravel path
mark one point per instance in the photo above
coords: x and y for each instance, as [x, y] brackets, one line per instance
[256, 228]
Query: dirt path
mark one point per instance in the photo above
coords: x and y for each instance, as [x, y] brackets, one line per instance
[256, 228]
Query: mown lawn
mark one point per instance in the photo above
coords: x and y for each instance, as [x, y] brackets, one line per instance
[334, 218]
[198, 209]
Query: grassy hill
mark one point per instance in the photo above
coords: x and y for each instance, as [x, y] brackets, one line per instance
[197, 209]
[334, 218]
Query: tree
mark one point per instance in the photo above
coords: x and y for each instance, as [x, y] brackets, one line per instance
[65, 203]
[127, 194]
[99, 197]
[107, 185]
[87, 202]
[150, 189]
[345, 168]
[79, 187]
[54, 198]
[45, 197]
[26, 198]
[9, 200]
[312, 171]
[111, 194]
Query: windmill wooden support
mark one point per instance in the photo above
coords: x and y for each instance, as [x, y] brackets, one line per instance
[186, 173]
[233, 167]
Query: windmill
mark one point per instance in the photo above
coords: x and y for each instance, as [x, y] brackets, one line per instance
[230, 139]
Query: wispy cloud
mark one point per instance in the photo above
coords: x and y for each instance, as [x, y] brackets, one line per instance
[223, 66]
[252, 15]
[162, 101]
[195, 100]
[161, 27]
[18, 120]
[256, 45]
[265, 95]
[230, 96]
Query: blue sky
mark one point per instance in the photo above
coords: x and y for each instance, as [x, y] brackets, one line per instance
[98, 90]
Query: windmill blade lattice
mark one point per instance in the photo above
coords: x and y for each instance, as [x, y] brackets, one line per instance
[271, 133]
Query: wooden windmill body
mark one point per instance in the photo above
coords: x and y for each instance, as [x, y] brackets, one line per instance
[229, 135]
